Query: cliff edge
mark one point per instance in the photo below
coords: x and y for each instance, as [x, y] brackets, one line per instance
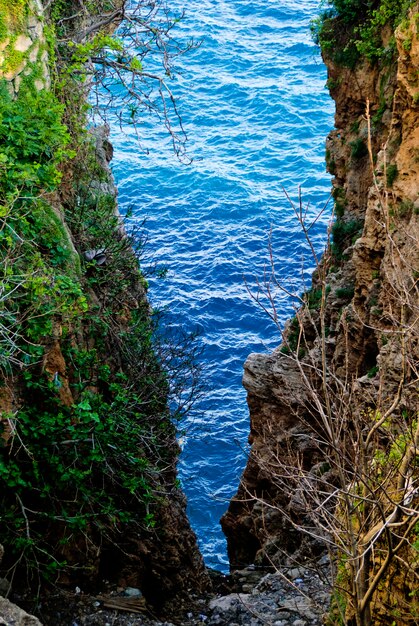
[89, 489]
[334, 422]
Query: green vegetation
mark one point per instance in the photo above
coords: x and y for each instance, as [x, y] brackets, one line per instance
[88, 447]
[86, 470]
[350, 29]
[33, 140]
[339, 208]
[343, 235]
[392, 174]
[405, 209]
[339, 197]
[39, 267]
[12, 13]
[313, 297]
[358, 149]
[292, 337]
[331, 165]
[373, 371]
[345, 293]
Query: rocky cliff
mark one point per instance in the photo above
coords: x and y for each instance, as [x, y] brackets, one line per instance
[89, 489]
[334, 439]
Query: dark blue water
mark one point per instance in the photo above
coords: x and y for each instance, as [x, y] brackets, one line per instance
[256, 111]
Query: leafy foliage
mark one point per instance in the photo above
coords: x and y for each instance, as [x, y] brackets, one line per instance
[88, 446]
[128, 75]
[96, 438]
[33, 140]
[343, 234]
[84, 471]
[392, 173]
[39, 267]
[350, 29]
[11, 15]
[358, 149]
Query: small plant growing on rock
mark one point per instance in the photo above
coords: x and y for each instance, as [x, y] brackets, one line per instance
[392, 173]
[358, 149]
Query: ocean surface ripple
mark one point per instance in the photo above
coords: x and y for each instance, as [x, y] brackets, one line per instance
[256, 111]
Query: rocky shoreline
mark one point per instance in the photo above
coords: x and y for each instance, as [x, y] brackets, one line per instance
[253, 596]
[295, 596]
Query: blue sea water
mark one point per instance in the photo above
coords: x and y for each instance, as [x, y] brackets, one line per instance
[256, 111]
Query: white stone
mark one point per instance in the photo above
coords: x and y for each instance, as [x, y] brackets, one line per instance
[33, 21]
[302, 606]
[13, 73]
[39, 30]
[296, 572]
[39, 7]
[33, 54]
[12, 614]
[225, 603]
[39, 84]
[22, 43]
[132, 592]
[16, 83]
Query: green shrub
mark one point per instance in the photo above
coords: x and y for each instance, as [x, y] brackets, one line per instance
[373, 371]
[345, 293]
[358, 149]
[350, 29]
[41, 272]
[330, 163]
[33, 140]
[405, 208]
[343, 234]
[392, 173]
[91, 451]
[293, 335]
[313, 297]
[339, 208]
[377, 117]
[67, 480]
[87, 469]
[350, 10]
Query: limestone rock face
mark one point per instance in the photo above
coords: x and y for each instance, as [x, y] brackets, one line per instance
[277, 399]
[25, 50]
[12, 615]
[369, 298]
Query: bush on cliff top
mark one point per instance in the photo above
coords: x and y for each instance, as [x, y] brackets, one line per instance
[350, 29]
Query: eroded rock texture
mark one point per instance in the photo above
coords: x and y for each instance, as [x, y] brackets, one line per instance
[361, 341]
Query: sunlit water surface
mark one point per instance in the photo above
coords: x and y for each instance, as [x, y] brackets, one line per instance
[255, 108]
